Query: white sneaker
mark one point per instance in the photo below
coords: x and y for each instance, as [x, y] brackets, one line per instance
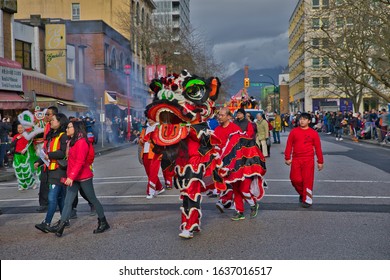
[341, 139]
[150, 196]
[329, 133]
[160, 191]
[337, 139]
[220, 207]
[186, 234]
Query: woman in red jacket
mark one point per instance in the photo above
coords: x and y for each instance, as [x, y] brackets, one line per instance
[79, 175]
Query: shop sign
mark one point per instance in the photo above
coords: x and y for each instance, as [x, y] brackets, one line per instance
[11, 79]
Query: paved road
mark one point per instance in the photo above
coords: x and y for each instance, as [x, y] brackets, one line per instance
[349, 220]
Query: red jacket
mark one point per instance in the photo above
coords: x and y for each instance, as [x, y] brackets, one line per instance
[79, 167]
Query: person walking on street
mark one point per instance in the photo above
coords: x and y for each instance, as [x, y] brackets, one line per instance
[44, 186]
[23, 167]
[5, 128]
[301, 144]
[55, 149]
[79, 175]
[151, 161]
[338, 126]
[277, 128]
[262, 133]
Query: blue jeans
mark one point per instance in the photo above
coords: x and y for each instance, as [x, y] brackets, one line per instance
[276, 135]
[56, 197]
[3, 148]
[339, 132]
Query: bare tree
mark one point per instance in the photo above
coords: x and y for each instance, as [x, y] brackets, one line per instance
[355, 44]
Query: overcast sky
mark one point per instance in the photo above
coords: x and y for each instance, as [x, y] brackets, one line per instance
[245, 32]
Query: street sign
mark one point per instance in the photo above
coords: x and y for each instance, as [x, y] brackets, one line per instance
[256, 85]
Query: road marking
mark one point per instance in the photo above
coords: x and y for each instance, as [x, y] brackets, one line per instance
[177, 195]
[101, 181]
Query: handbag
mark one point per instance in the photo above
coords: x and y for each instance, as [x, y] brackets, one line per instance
[63, 163]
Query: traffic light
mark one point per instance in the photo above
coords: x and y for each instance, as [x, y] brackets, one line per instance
[246, 82]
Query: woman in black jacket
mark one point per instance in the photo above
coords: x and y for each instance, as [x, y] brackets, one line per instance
[55, 149]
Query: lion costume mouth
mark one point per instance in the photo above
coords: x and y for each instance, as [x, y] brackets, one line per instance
[180, 101]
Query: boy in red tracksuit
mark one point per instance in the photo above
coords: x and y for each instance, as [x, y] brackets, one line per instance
[302, 142]
[151, 161]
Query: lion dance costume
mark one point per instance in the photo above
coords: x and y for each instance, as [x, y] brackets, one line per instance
[182, 105]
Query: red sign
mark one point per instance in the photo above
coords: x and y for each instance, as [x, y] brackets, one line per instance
[151, 72]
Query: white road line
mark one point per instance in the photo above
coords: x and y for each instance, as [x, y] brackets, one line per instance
[98, 182]
[172, 195]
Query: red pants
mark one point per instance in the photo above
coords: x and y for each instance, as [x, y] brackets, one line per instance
[168, 176]
[302, 178]
[241, 190]
[152, 166]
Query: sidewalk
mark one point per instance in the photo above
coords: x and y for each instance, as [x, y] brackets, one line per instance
[362, 141]
[9, 174]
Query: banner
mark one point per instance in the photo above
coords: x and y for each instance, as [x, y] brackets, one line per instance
[151, 72]
[55, 51]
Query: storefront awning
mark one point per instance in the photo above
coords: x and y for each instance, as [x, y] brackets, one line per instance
[115, 98]
[12, 101]
[45, 102]
[75, 106]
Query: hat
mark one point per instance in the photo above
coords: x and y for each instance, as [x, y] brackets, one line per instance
[241, 110]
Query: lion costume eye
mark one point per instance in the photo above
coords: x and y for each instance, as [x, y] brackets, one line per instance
[195, 91]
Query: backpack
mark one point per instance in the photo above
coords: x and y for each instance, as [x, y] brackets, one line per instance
[91, 154]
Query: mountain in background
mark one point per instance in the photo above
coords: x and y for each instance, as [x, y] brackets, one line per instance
[235, 82]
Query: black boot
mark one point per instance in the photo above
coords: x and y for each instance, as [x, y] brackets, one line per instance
[102, 225]
[60, 228]
[44, 227]
[56, 226]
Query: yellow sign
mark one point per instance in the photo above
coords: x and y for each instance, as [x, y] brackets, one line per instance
[55, 53]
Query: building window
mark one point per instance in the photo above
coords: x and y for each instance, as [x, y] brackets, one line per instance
[325, 42]
[81, 60]
[75, 11]
[325, 23]
[316, 82]
[315, 23]
[315, 42]
[70, 62]
[315, 4]
[113, 64]
[325, 62]
[339, 22]
[106, 54]
[349, 22]
[23, 54]
[325, 4]
[316, 62]
[325, 82]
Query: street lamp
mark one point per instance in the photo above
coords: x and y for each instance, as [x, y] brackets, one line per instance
[127, 70]
[273, 83]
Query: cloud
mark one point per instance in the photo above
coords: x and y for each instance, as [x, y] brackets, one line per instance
[243, 32]
[258, 53]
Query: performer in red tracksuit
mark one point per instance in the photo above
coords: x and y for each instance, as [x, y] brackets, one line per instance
[222, 132]
[302, 142]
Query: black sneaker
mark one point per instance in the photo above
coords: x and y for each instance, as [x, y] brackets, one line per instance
[44, 227]
[305, 205]
[254, 210]
[238, 216]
